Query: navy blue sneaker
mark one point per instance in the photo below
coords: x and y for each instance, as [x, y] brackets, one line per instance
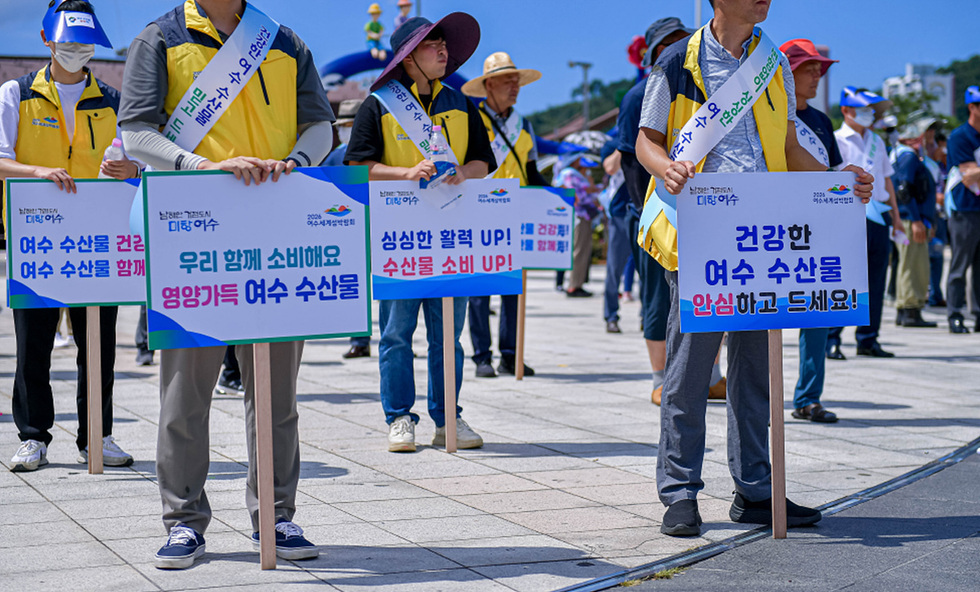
[290, 542]
[184, 545]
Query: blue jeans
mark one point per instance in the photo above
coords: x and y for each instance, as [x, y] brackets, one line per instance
[398, 320]
[813, 347]
[629, 273]
[617, 252]
[480, 327]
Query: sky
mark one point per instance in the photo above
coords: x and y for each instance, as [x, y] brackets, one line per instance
[873, 39]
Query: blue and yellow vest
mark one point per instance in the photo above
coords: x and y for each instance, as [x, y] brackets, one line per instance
[448, 109]
[515, 165]
[262, 120]
[42, 138]
[683, 72]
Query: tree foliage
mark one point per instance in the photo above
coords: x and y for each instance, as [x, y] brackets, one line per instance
[603, 97]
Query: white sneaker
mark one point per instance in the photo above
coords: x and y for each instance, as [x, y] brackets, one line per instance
[31, 455]
[112, 454]
[465, 436]
[61, 340]
[401, 434]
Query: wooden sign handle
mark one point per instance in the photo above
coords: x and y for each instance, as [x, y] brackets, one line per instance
[93, 359]
[262, 363]
[449, 370]
[778, 436]
[521, 311]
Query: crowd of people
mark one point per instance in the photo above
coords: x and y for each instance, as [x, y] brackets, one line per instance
[283, 119]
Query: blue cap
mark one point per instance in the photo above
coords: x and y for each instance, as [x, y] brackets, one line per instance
[851, 97]
[73, 27]
[972, 94]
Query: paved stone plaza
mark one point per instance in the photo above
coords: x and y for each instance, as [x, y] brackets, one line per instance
[563, 491]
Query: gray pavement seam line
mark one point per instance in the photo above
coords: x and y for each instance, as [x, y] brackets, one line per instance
[689, 558]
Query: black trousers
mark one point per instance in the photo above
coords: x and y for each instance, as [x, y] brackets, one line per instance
[33, 404]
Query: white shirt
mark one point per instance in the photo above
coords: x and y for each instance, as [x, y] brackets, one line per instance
[853, 149]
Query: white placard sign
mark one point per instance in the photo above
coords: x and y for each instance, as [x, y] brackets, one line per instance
[72, 249]
[229, 263]
[451, 240]
[771, 251]
[547, 227]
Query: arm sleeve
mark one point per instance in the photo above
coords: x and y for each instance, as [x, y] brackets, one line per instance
[314, 144]
[637, 179]
[145, 142]
[656, 102]
[366, 140]
[9, 118]
[478, 147]
[628, 121]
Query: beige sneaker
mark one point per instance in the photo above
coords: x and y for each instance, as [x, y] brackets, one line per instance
[465, 436]
[401, 434]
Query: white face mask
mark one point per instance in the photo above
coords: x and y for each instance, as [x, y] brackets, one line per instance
[865, 116]
[73, 56]
[344, 133]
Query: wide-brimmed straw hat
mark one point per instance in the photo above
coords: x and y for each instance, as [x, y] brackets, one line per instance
[498, 64]
[460, 30]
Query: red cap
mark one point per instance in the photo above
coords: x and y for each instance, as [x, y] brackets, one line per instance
[799, 51]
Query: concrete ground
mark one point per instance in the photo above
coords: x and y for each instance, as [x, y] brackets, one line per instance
[563, 491]
[925, 536]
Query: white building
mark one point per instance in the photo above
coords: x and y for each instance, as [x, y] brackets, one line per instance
[923, 78]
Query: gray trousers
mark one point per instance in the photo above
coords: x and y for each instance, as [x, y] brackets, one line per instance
[187, 378]
[964, 241]
[684, 403]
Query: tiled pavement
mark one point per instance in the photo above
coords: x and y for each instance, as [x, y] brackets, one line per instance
[563, 491]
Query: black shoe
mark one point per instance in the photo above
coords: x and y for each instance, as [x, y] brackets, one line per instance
[579, 293]
[834, 353]
[815, 412]
[956, 324]
[484, 369]
[144, 358]
[746, 512]
[613, 327]
[507, 366]
[358, 351]
[913, 318]
[874, 351]
[230, 387]
[899, 317]
[682, 519]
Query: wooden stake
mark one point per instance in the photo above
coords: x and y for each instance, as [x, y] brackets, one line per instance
[449, 370]
[777, 439]
[521, 310]
[93, 359]
[262, 363]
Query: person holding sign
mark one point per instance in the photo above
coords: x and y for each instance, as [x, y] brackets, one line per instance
[55, 124]
[814, 132]
[512, 140]
[861, 146]
[681, 134]
[264, 117]
[963, 202]
[390, 137]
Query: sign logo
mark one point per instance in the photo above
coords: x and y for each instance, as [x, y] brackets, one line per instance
[840, 190]
[80, 19]
[50, 122]
[560, 209]
[338, 211]
[498, 192]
